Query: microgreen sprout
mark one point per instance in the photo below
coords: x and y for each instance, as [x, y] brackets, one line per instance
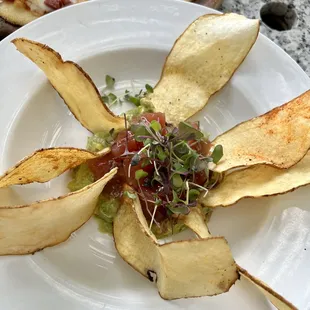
[111, 99]
[153, 216]
[176, 162]
[136, 159]
[173, 162]
[130, 195]
[217, 153]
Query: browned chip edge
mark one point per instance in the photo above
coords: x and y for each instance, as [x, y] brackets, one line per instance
[46, 47]
[251, 119]
[254, 197]
[56, 198]
[265, 287]
[39, 151]
[204, 16]
[127, 201]
[51, 199]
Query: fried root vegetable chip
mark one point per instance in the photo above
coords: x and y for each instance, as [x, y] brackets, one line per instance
[280, 138]
[276, 299]
[45, 164]
[181, 269]
[73, 84]
[201, 62]
[195, 221]
[258, 181]
[29, 228]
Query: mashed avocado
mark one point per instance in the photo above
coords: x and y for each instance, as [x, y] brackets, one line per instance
[106, 206]
[167, 228]
[142, 108]
[106, 210]
[173, 226]
[100, 140]
[81, 177]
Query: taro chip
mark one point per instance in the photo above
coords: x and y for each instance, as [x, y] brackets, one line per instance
[258, 181]
[201, 62]
[74, 86]
[29, 228]
[44, 165]
[206, 267]
[279, 138]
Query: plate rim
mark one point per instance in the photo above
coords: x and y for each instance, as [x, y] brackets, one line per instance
[261, 36]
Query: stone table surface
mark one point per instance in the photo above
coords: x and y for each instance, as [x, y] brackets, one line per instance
[296, 42]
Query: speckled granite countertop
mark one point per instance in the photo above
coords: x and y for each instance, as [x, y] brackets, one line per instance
[296, 42]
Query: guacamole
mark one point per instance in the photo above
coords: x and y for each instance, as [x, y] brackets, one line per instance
[142, 108]
[106, 210]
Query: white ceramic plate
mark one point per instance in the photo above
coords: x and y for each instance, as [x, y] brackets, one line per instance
[129, 40]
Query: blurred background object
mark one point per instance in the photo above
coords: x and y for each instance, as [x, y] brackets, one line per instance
[286, 22]
[6, 28]
[16, 13]
[215, 4]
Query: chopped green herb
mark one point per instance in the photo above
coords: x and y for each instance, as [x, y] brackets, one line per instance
[149, 88]
[110, 99]
[133, 99]
[188, 132]
[136, 99]
[100, 140]
[130, 195]
[143, 108]
[110, 81]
